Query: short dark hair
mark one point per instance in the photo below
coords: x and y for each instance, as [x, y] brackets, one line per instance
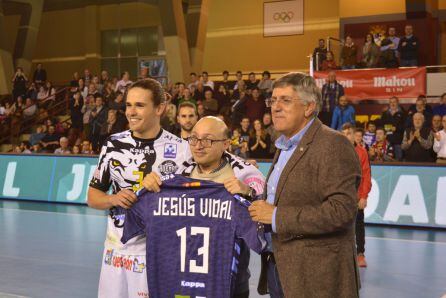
[204, 72]
[380, 128]
[359, 129]
[252, 73]
[346, 126]
[158, 96]
[187, 105]
[193, 74]
[225, 72]
[266, 73]
[239, 72]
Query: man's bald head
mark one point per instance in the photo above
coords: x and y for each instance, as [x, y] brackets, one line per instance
[213, 125]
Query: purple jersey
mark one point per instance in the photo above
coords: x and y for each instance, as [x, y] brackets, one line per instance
[192, 228]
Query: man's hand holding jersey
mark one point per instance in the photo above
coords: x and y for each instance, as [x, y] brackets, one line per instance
[124, 198]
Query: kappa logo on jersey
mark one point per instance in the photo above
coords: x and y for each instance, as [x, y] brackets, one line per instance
[192, 284]
[167, 167]
[146, 150]
[170, 150]
[128, 263]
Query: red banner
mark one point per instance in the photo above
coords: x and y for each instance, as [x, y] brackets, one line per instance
[379, 83]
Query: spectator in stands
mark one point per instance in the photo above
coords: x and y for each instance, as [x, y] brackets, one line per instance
[408, 48]
[37, 148]
[187, 118]
[238, 78]
[329, 63]
[436, 124]
[255, 106]
[30, 109]
[427, 107]
[112, 126]
[118, 104]
[76, 149]
[370, 52]
[441, 108]
[19, 83]
[229, 85]
[41, 96]
[381, 150]
[245, 128]
[252, 81]
[82, 88]
[74, 83]
[199, 91]
[76, 104]
[97, 84]
[370, 135]
[420, 107]
[241, 87]
[200, 111]
[86, 148]
[104, 77]
[109, 93]
[238, 108]
[63, 149]
[25, 147]
[206, 81]
[210, 104]
[224, 100]
[187, 97]
[389, 50]
[359, 137]
[87, 109]
[343, 113]
[32, 91]
[168, 121]
[417, 141]
[92, 90]
[97, 121]
[331, 91]
[266, 84]
[122, 85]
[193, 79]
[16, 149]
[259, 142]
[19, 104]
[440, 143]
[180, 87]
[319, 54]
[51, 140]
[39, 76]
[87, 75]
[348, 54]
[236, 142]
[393, 121]
[50, 98]
[269, 127]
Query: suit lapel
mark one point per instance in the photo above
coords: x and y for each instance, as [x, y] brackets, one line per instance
[297, 155]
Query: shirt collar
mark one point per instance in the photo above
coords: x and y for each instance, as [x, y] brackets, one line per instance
[285, 144]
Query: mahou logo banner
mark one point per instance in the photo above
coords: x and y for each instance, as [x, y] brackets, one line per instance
[379, 83]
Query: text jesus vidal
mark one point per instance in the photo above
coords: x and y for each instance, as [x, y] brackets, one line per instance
[182, 206]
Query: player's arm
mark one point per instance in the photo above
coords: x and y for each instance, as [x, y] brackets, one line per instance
[98, 199]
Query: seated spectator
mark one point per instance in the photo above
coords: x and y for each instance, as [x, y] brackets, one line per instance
[187, 97]
[381, 150]
[329, 63]
[420, 107]
[236, 142]
[125, 82]
[118, 104]
[97, 84]
[3, 115]
[259, 142]
[393, 121]
[255, 106]
[348, 54]
[238, 78]
[37, 148]
[206, 81]
[441, 108]
[440, 143]
[193, 80]
[32, 91]
[413, 107]
[76, 150]
[51, 140]
[370, 135]
[25, 147]
[86, 148]
[200, 110]
[417, 141]
[104, 77]
[16, 149]
[38, 135]
[113, 125]
[408, 48]
[266, 84]
[30, 109]
[63, 149]
[370, 52]
[241, 87]
[319, 54]
[269, 127]
[82, 88]
[109, 93]
[199, 91]
[389, 50]
[41, 95]
[252, 81]
[343, 113]
[436, 124]
[210, 104]
[39, 76]
[224, 100]
[50, 94]
[87, 109]
[98, 119]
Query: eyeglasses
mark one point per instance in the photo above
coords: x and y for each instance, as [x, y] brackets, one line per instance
[206, 143]
[283, 100]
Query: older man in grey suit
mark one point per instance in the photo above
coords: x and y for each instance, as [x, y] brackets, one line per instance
[310, 200]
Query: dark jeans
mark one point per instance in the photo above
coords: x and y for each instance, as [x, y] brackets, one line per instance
[274, 286]
[360, 232]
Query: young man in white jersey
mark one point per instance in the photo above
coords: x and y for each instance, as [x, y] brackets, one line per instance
[125, 159]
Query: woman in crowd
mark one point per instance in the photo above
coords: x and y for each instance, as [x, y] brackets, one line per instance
[370, 52]
[259, 142]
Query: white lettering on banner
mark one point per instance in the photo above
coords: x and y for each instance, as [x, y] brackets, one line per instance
[78, 170]
[344, 83]
[440, 208]
[8, 189]
[408, 186]
[372, 200]
[392, 82]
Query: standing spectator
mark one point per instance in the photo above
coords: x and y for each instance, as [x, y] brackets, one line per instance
[252, 81]
[97, 121]
[109, 93]
[122, 85]
[348, 54]
[19, 83]
[408, 48]
[187, 118]
[226, 82]
[389, 50]
[370, 135]
[187, 97]
[436, 124]
[87, 109]
[63, 149]
[206, 81]
[104, 77]
[329, 63]
[417, 141]
[39, 76]
[210, 104]
[82, 88]
[359, 137]
[51, 140]
[238, 78]
[224, 100]
[441, 108]
[255, 106]
[199, 91]
[331, 92]
[32, 91]
[259, 142]
[393, 121]
[76, 104]
[440, 143]
[363, 191]
[266, 84]
[50, 98]
[74, 83]
[343, 113]
[193, 79]
[319, 54]
[381, 150]
[112, 126]
[87, 76]
[370, 52]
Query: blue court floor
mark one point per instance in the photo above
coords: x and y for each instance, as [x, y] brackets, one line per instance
[54, 250]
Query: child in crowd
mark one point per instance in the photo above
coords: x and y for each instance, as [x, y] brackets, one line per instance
[370, 135]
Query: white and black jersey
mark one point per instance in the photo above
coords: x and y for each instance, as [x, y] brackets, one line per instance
[123, 163]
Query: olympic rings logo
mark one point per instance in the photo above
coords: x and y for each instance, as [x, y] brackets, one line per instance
[283, 16]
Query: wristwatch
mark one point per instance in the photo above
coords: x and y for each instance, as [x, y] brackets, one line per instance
[251, 194]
